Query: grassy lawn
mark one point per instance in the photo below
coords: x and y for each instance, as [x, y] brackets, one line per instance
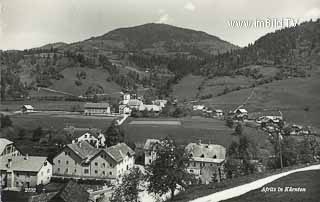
[57, 122]
[187, 88]
[306, 179]
[191, 130]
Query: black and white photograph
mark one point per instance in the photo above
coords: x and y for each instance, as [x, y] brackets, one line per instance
[159, 101]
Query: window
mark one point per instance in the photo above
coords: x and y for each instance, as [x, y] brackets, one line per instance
[202, 156]
[103, 173]
[67, 162]
[58, 170]
[215, 156]
[59, 161]
[103, 165]
[191, 171]
[127, 167]
[194, 164]
[86, 171]
[110, 173]
[75, 171]
[66, 171]
[48, 171]
[45, 163]
[96, 163]
[96, 172]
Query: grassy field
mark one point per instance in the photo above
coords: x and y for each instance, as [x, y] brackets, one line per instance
[58, 121]
[191, 130]
[306, 179]
[41, 105]
[297, 98]
[187, 88]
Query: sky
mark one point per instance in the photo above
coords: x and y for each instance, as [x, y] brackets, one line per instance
[33, 23]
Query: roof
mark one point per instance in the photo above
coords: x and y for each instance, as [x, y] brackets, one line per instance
[119, 151]
[103, 105]
[20, 163]
[270, 114]
[73, 192]
[78, 134]
[149, 143]
[241, 110]
[3, 143]
[204, 151]
[28, 107]
[218, 111]
[83, 149]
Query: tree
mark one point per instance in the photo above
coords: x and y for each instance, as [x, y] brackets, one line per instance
[129, 188]
[114, 134]
[168, 171]
[229, 122]
[5, 121]
[22, 133]
[239, 129]
[37, 133]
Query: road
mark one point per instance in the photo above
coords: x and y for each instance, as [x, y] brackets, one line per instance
[240, 190]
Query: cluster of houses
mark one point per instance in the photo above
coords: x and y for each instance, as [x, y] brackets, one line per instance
[85, 158]
[216, 113]
[126, 105]
[206, 160]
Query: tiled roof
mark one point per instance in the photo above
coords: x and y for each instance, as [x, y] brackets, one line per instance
[206, 150]
[20, 163]
[3, 143]
[119, 151]
[83, 149]
[149, 143]
[97, 105]
[28, 107]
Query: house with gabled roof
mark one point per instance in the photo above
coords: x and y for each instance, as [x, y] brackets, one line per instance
[7, 148]
[84, 160]
[94, 138]
[24, 171]
[27, 108]
[97, 109]
[206, 161]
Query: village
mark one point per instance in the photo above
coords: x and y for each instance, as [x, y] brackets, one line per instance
[99, 161]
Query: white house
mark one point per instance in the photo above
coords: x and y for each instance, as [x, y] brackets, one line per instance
[218, 113]
[97, 109]
[83, 160]
[154, 108]
[98, 139]
[198, 107]
[7, 148]
[206, 161]
[150, 150]
[24, 171]
[27, 108]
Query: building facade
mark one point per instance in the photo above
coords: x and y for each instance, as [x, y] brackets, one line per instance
[7, 148]
[97, 109]
[24, 171]
[83, 160]
[206, 161]
[150, 150]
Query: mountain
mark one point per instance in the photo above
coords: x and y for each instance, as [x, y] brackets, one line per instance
[155, 38]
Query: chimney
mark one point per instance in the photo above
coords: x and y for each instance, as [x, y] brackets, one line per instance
[9, 163]
[26, 157]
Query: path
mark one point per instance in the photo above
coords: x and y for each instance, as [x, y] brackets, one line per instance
[240, 190]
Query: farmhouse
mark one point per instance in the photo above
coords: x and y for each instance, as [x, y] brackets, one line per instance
[94, 138]
[149, 150]
[218, 113]
[24, 171]
[198, 107]
[7, 148]
[27, 108]
[97, 109]
[83, 160]
[241, 113]
[206, 161]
